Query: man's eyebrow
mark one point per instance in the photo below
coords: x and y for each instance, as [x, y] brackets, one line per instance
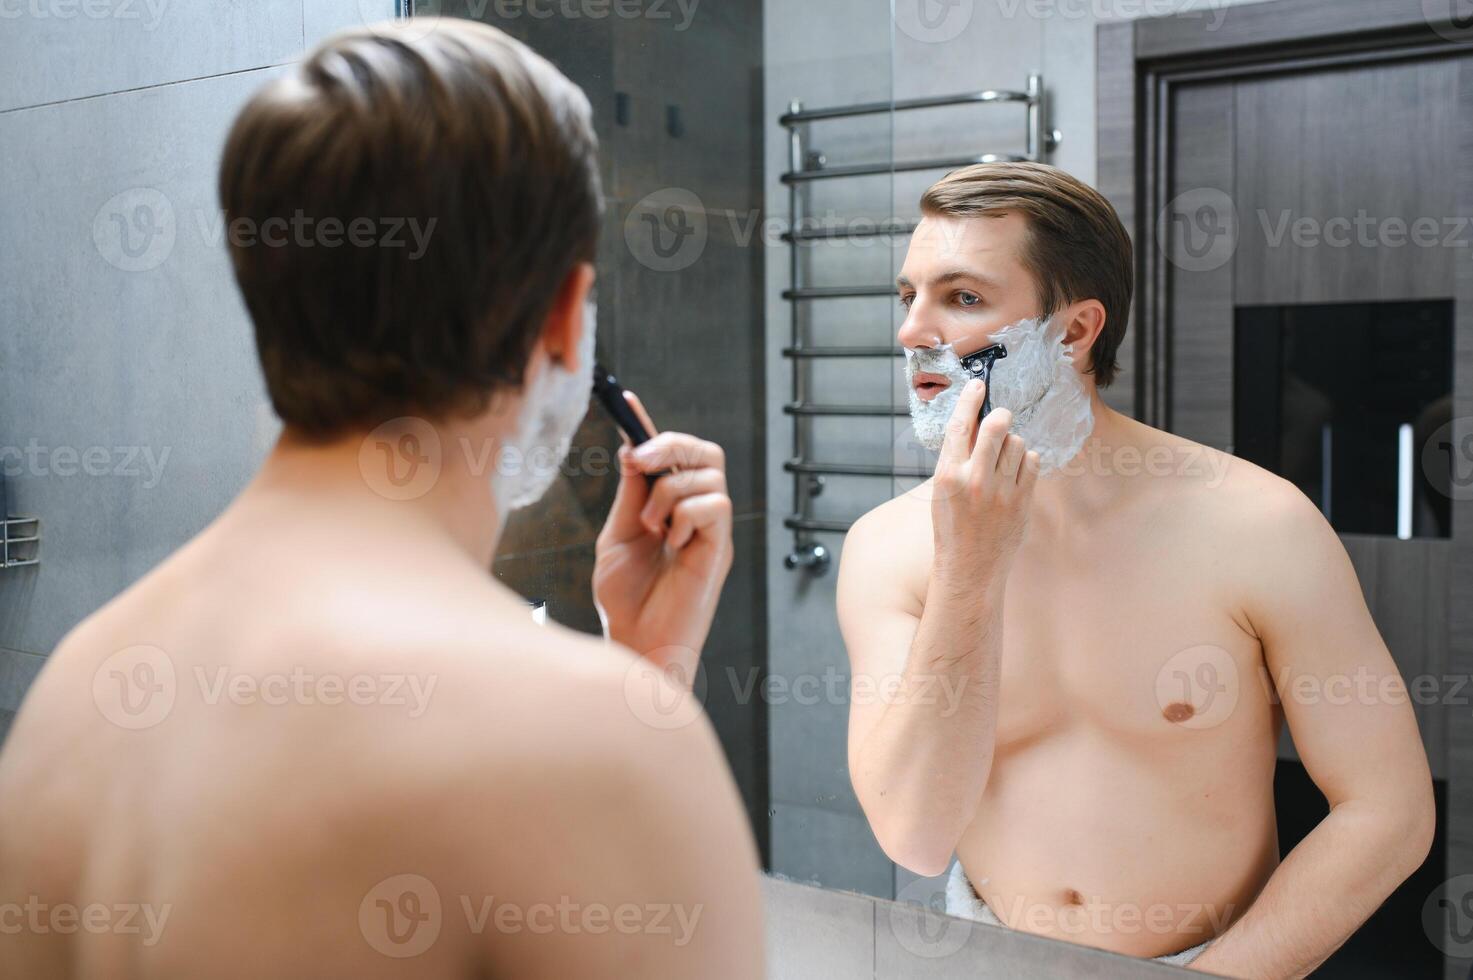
[950, 275]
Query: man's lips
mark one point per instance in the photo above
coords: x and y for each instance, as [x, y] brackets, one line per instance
[928, 386]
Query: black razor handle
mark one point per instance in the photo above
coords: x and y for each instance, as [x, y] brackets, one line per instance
[610, 394]
[979, 365]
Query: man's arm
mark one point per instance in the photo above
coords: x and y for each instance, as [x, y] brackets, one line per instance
[1347, 707]
[918, 768]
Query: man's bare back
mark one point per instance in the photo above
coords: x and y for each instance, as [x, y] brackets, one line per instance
[313, 724]
[320, 739]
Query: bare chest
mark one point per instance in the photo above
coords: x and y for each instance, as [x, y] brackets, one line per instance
[1136, 643]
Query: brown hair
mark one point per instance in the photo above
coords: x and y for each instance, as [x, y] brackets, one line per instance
[1077, 248]
[402, 209]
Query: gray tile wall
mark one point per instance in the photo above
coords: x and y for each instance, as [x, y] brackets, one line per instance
[131, 408]
[833, 52]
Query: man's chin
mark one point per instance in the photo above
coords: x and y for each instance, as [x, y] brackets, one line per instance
[929, 432]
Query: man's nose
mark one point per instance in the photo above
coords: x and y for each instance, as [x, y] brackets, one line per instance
[919, 329]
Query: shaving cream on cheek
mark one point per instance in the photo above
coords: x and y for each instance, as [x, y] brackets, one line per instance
[1036, 382]
[530, 458]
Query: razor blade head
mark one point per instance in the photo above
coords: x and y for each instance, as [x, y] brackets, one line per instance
[979, 365]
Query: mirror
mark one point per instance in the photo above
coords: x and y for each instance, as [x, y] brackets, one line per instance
[764, 164]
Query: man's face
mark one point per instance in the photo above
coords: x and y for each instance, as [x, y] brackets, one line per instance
[962, 282]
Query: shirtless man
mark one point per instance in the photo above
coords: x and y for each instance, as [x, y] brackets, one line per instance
[320, 740]
[1106, 776]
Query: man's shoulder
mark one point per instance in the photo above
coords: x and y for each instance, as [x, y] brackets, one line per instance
[1253, 524]
[1204, 483]
[907, 512]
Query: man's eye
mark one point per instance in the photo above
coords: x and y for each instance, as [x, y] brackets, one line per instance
[905, 301]
[968, 299]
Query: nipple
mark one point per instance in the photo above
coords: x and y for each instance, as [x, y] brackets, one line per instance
[1178, 711]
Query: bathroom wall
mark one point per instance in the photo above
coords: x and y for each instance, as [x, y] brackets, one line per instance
[830, 52]
[131, 408]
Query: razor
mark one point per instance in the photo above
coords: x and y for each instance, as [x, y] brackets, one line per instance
[610, 395]
[979, 365]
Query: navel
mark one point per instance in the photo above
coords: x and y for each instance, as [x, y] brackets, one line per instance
[1178, 711]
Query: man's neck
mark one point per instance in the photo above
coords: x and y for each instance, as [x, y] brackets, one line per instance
[422, 482]
[1089, 486]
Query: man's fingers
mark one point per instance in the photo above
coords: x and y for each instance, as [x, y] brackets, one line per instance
[957, 445]
[676, 450]
[629, 498]
[643, 416]
[671, 488]
[706, 514]
[1011, 455]
[990, 436]
[1028, 471]
[624, 521]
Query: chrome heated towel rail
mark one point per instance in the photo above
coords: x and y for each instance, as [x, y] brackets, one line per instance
[806, 167]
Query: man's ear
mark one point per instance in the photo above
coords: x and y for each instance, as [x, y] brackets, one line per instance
[564, 326]
[1083, 322]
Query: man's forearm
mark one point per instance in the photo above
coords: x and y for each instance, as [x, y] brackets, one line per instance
[1325, 889]
[922, 769]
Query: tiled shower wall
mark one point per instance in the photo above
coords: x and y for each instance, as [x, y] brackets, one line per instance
[131, 408]
[837, 52]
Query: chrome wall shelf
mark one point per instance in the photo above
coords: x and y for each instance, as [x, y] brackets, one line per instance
[20, 542]
[805, 167]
